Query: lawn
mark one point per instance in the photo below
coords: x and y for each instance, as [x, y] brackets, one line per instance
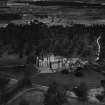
[90, 77]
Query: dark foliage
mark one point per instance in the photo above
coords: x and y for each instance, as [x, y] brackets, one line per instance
[9, 16]
[80, 68]
[78, 72]
[81, 91]
[3, 83]
[65, 41]
[102, 83]
[26, 81]
[55, 95]
[100, 97]
[65, 71]
[24, 102]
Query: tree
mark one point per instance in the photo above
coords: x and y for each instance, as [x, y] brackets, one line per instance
[3, 84]
[54, 95]
[24, 102]
[81, 91]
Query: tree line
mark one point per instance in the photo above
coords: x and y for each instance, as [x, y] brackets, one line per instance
[40, 39]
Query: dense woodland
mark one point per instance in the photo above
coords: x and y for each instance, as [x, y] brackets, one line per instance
[40, 39]
[9, 16]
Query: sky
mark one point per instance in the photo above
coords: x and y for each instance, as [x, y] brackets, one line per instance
[90, 1]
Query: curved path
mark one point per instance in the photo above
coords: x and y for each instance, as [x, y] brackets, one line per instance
[38, 87]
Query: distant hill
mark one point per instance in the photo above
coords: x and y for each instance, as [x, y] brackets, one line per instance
[64, 3]
[86, 1]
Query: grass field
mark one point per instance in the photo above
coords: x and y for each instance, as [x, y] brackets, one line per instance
[91, 78]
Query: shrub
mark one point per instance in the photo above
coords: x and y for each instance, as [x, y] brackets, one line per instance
[81, 91]
[103, 72]
[54, 95]
[3, 83]
[102, 83]
[65, 71]
[78, 72]
[100, 97]
[25, 82]
[24, 102]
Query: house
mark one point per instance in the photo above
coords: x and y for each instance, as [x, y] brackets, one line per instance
[57, 63]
